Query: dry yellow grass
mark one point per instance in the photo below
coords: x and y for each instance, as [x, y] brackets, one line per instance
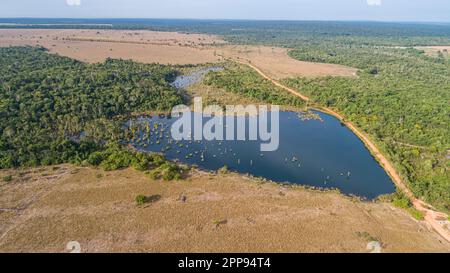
[434, 50]
[97, 45]
[165, 48]
[276, 62]
[43, 209]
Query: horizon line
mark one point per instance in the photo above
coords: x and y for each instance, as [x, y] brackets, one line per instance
[235, 19]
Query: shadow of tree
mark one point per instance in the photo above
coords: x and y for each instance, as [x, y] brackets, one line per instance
[152, 198]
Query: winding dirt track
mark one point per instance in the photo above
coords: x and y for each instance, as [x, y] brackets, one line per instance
[431, 215]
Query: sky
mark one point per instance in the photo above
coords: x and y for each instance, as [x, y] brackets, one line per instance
[373, 10]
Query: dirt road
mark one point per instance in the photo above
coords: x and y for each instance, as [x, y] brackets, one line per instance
[431, 215]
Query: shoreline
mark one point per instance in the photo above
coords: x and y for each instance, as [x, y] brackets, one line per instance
[430, 214]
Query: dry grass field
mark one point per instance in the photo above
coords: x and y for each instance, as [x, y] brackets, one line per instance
[97, 45]
[434, 50]
[42, 209]
[165, 48]
[277, 64]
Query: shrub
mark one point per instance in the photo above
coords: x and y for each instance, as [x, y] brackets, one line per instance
[156, 159]
[140, 162]
[7, 178]
[96, 158]
[366, 236]
[403, 203]
[374, 71]
[167, 171]
[401, 200]
[117, 160]
[218, 222]
[141, 200]
[416, 214]
[223, 170]
[143, 161]
[6, 161]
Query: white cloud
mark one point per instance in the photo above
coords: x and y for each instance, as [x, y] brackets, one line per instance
[374, 2]
[73, 2]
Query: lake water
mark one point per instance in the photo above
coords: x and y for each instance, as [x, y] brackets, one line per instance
[184, 81]
[320, 153]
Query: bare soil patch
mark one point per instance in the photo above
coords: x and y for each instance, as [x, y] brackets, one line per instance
[49, 207]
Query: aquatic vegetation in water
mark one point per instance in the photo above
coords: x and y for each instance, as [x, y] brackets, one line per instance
[320, 154]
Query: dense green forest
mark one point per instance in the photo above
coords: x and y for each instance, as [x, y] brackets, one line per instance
[55, 109]
[401, 97]
[244, 81]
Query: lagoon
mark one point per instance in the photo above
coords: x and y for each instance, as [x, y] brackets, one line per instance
[313, 152]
